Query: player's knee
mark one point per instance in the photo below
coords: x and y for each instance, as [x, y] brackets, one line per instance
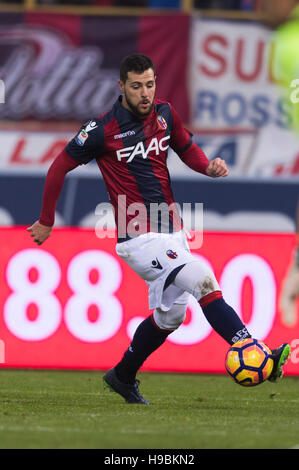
[197, 279]
[206, 286]
[171, 319]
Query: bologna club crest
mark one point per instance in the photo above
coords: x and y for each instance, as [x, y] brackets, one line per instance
[171, 254]
[161, 122]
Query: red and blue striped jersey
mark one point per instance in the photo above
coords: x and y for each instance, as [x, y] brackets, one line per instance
[132, 156]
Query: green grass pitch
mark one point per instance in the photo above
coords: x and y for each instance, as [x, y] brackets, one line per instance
[71, 410]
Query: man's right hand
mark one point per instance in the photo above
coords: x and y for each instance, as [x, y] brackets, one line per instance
[39, 232]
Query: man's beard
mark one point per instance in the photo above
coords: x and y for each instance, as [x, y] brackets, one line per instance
[135, 110]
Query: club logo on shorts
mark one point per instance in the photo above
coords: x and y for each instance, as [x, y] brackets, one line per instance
[171, 254]
[161, 122]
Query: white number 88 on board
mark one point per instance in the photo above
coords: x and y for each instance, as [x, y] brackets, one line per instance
[41, 293]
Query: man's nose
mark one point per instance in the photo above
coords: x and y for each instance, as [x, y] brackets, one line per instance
[144, 92]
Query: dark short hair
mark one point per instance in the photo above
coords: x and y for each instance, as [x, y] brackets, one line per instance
[138, 63]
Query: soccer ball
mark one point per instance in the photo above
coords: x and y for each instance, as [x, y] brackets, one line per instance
[249, 362]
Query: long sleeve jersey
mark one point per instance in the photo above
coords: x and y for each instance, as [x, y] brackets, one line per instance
[132, 155]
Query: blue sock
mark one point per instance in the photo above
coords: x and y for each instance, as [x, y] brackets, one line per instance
[224, 320]
[147, 338]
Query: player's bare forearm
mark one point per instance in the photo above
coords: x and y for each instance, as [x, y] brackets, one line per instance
[39, 232]
[217, 168]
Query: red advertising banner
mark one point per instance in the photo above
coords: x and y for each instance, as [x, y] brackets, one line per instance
[73, 303]
[66, 67]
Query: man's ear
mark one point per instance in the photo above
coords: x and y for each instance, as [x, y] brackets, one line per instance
[121, 85]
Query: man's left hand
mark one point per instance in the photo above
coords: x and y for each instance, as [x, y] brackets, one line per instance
[217, 168]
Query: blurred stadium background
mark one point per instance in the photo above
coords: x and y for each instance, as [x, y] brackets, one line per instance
[72, 303]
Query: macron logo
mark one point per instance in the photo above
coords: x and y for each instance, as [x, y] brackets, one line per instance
[139, 149]
[90, 126]
[125, 134]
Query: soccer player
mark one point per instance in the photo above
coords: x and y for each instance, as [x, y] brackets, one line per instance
[290, 288]
[284, 17]
[129, 144]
